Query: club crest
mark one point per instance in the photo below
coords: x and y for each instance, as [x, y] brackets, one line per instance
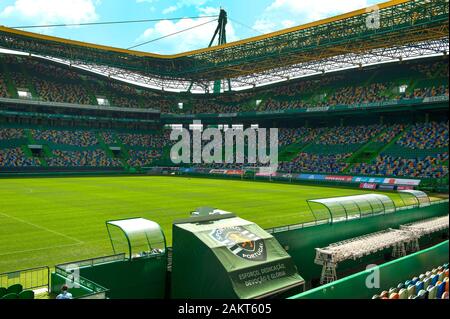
[241, 242]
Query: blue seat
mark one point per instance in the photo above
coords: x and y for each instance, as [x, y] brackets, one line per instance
[434, 279]
[440, 290]
[414, 280]
[407, 283]
[419, 286]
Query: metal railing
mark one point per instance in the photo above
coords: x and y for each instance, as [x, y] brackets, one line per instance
[33, 278]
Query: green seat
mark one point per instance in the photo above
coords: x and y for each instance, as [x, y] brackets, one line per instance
[432, 291]
[426, 283]
[10, 296]
[3, 291]
[16, 289]
[26, 294]
[411, 290]
[403, 293]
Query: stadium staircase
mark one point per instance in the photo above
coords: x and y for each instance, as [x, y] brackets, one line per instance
[371, 150]
[91, 94]
[46, 152]
[289, 152]
[124, 156]
[11, 89]
[30, 85]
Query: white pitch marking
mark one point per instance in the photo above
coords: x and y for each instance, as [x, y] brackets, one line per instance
[43, 228]
[36, 249]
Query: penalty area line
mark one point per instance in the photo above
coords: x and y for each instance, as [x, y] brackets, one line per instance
[37, 249]
[43, 228]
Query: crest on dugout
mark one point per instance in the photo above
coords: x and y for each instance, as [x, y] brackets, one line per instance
[241, 242]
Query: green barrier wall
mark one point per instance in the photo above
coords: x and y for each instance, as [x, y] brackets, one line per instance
[57, 281]
[390, 274]
[301, 243]
[142, 278]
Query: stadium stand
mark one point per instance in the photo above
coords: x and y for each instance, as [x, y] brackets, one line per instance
[15, 157]
[419, 150]
[59, 83]
[430, 285]
[76, 138]
[95, 158]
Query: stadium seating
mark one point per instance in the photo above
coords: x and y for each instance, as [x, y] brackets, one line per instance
[431, 285]
[95, 158]
[58, 83]
[421, 151]
[141, 158]
[15, 157]
[418, 150]
[15, 292]
[76, 138]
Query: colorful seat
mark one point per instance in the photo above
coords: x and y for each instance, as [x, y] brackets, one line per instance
[392, 290]
[419, 286]
[440, 289]
[432, 291]
[426, 282]
[423, 294]
[411, 290]
[384, 294]
[434, 280]
[394, 296]
[403, 293]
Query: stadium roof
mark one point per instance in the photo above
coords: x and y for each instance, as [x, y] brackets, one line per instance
[389, 31]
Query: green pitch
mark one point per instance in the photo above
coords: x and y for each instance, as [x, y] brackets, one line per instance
[46, 221]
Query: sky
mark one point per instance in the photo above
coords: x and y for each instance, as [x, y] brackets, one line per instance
[246, 18]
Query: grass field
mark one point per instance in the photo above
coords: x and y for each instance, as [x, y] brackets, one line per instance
[46, 221]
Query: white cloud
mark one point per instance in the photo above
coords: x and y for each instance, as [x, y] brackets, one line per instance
[52, 11]
[287, 23]
[196, 38]
[312, 10]
[281, 14]
[170, 9]
[184, 3]
[264, 25]
[208, 11]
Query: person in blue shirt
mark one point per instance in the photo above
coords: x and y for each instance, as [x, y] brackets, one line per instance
[65, 294]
